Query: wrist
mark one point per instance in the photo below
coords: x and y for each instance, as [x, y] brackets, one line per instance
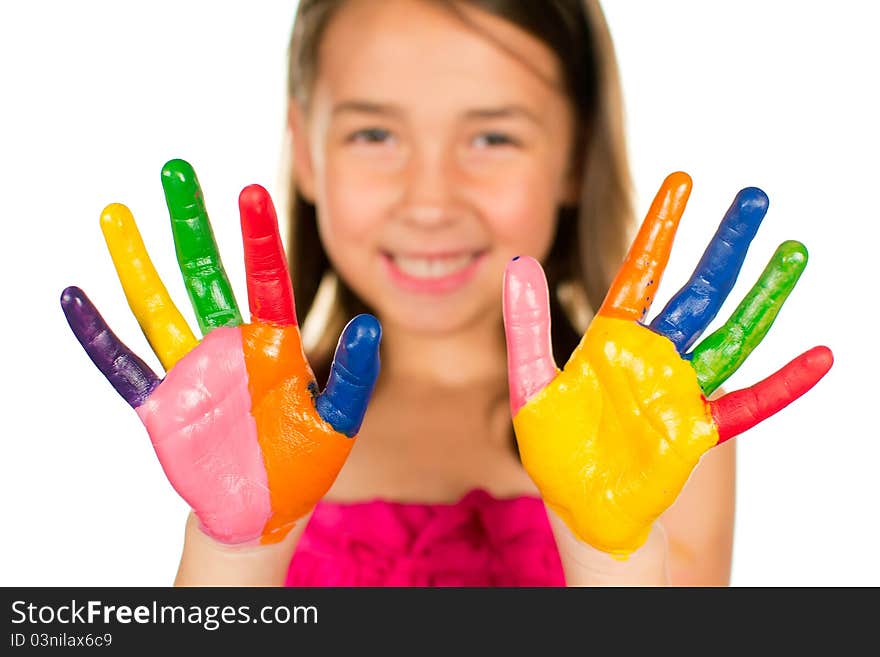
[585, 565]
[208, 562]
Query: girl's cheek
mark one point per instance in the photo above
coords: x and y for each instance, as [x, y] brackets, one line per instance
[356, 201]
[521, 212]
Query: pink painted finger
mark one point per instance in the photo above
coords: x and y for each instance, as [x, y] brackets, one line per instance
[526, 309]
[270, 291]
[739, 411]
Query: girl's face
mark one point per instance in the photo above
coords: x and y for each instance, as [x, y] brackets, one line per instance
[433, 155]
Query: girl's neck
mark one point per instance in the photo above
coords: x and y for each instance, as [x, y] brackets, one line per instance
[474, 355]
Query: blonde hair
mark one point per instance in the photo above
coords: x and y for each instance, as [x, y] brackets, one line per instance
[591, 237]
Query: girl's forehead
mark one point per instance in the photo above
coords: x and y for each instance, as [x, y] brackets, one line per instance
[406, 47]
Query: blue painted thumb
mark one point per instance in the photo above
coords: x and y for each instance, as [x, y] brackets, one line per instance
[352, 375]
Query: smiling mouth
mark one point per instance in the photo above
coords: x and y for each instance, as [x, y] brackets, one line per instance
[433, 273]
[432, 267]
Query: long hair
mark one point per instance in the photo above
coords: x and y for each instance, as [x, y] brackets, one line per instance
[591, 237]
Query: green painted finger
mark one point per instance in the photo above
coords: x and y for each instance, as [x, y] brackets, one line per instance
[203, 274]
[721, 354]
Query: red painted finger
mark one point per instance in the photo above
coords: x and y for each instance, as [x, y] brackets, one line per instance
[739, 411]
[270, 291]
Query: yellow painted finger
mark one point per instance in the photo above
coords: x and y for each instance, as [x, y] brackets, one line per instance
[165, 328]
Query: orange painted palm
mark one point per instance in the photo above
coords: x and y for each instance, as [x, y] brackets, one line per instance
[612, 438]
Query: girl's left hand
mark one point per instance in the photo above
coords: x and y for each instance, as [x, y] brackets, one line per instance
[612, 438]
[238, 423]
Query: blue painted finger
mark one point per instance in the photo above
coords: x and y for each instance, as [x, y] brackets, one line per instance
[129, 375]
[352, 376]
[695, 305]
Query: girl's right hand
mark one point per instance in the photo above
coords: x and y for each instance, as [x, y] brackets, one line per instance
[612, 438]
[238, 423]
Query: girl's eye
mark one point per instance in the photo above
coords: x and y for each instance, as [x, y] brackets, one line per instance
[371, 136]
[491, 139]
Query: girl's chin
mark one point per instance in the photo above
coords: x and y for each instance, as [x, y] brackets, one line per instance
[437, 319]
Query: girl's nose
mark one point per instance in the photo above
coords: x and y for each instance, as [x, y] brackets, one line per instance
[429, 194]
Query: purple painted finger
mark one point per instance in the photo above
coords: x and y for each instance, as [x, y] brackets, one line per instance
[526, 309]
[129, 375]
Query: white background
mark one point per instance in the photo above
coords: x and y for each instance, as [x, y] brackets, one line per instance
[96, 97]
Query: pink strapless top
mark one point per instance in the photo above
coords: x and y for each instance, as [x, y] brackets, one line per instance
[478, 541]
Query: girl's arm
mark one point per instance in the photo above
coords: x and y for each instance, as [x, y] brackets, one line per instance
[205, 562]
[699, 525]
[584, 565]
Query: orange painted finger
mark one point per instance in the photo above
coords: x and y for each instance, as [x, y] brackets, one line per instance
[302, 452]
[634, 286]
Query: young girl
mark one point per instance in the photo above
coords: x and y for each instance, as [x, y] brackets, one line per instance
[433, 142]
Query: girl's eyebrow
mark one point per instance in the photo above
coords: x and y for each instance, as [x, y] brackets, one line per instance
[389, 109]
[504, 112]
[366, 107]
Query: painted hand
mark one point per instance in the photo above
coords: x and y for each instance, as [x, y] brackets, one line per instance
[611, 439]
[237, 423]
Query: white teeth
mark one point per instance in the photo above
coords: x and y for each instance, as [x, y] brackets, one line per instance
[432, 267]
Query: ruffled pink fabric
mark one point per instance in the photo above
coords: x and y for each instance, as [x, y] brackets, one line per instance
[477, 541]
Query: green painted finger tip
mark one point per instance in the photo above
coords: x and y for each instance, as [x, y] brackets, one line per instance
[178, 169]
[793, 253]
[183, 195]
[179, 179]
